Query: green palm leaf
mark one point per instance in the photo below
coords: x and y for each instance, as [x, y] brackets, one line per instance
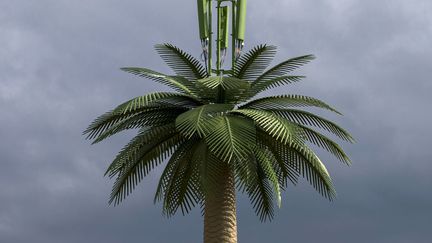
[286, 101]
[198, 121]
[132, 107]
[135, 168]
[157, 100]
[150, 117]
[309, 119]
[282, 69]
[326, 143]
[231, 137]
[265, 162]
[178, 83]
[250, 65]
[278, 127]
[273, 83]
[311, 167]
[171, 166]
[104, 122]
[181, 180]
[181, 62]
[211, 168]
[145, 136]
[261, 196]
[298, 157]
[233, 89]
[226, 83]
[285, 173]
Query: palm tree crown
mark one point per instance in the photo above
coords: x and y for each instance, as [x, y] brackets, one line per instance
[212, 124]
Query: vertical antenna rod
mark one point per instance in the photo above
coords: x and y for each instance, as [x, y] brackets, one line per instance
[238, 21]
[233, 35]
[203, 20]
[241, 25]
[223, 33]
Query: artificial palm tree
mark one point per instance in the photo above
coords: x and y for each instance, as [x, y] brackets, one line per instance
[216, 139]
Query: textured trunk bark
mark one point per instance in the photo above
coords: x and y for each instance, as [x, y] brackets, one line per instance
[220, 221]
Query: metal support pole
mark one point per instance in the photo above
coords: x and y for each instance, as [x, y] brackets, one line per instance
[210, 54]
[233, 31]
[221, 93]
[218, 40]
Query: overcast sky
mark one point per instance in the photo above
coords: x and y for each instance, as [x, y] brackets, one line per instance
[59, 69]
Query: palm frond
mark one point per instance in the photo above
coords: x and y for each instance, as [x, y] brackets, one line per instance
[264, 161]
[309, 119]
[278, 127]
[134, 106]
[322, 141]
[180, 181]
[149, 117]
[231, 137]
[198, 120]
[170, 168]
[178, 83]
[251, 65]
[104, 122]
[287, 101]
[145, 136]
[273, 83]
[211, 168]
[245, 172]
[226, 83]
[156, 100]
[261, 196]
[234, 89]
[311, 167]
[285, 173]
[282, 69]
[298, 157]
[181, 62]
[135, 168]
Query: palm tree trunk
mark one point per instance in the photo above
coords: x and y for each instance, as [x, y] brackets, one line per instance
[220, 221]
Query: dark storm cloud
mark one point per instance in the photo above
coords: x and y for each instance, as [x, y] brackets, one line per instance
[59, 65]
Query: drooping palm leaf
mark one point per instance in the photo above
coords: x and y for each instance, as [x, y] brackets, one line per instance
[245, 173]
[104, 122]
[311, 167]
[278, 127]
[171, 166]
[181, 180]
[309, 119]
[285, 173]
[326, 143]
[136, 167]
[298, 157]
[211, 168]
[149, 117]
[264, 160]
[231, 137]
[261, 196]
[145, 136]
[132, 107]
